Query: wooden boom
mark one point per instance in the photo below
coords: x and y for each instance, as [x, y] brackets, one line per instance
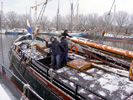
[104, 47]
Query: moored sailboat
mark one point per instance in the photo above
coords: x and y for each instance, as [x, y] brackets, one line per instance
[87, 75]
[80, 79]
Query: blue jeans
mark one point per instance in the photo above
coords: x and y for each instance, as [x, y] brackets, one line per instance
[55, 60]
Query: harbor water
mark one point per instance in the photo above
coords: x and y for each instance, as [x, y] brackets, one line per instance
[5, 43]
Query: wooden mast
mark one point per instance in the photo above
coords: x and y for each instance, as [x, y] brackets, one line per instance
[71, 16]
[77, 17]
[58, 15]
[36, 15]
[1, 15]
[114, 17]
[1, 32]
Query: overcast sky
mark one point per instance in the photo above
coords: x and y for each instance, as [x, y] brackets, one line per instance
[85, 6]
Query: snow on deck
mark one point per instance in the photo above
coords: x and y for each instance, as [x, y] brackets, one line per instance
[107, 84]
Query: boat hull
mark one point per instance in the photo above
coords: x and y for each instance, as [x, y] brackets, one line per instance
[39, 83]
[15, 33]
[112, 38]
[117, 39]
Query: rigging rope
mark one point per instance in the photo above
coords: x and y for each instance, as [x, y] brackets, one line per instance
[111, 7]
[42, 11]
[103, 33]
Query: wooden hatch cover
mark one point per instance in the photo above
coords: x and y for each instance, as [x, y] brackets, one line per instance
[79, 64]
[42, 48]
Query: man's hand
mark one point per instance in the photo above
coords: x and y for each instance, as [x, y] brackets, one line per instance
[47, 39]
[67, 37]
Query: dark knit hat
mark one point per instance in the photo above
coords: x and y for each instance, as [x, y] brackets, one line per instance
[52, 38]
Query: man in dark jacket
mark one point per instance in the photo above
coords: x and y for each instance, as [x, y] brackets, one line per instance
[56, 48]
[65, 34]
[64, 55]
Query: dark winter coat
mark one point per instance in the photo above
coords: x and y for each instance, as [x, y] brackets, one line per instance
[65, 34]
[64, 43]
[56, 47]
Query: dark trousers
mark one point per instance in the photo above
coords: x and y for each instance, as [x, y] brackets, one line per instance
[55, 60]
[63, 59]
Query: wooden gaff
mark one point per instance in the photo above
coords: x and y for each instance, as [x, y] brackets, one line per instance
[104, 47]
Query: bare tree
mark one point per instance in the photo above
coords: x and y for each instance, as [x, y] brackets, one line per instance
[12, 19]
[101, 24]
[92, 20]
[22, 21]
[129, 29]
[122, 20]
[108, 19]
[62, 23]
[44, 23]
[68, 21]
[54, 22]
[131, 19]
[81, 22]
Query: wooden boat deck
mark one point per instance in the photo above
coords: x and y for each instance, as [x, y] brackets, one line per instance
[89, 82]
[107, 84]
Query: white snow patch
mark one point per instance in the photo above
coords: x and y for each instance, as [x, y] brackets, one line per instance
[128, 89]
[110, 87]
[65, 81]
[100, 72]
[82, 91]
[92, 85]
[103, 81]
[62, 70]
[91, 96]
[91, 70]
[130, 85]
[72, 84]
[82, 74]
[74, 78]
[88, 77]
[69, 73]
[102, 93]
[123, 96]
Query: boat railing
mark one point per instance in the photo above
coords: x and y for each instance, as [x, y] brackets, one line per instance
[26, 58]
[75, 83]
[23, 54]
[5, 71]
